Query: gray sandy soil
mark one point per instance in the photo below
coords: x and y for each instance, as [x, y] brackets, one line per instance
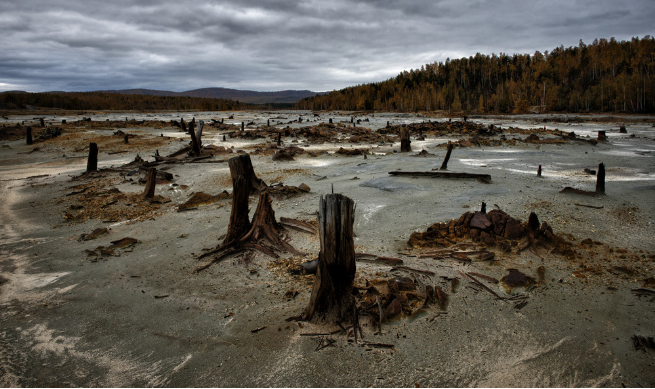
[70, 319]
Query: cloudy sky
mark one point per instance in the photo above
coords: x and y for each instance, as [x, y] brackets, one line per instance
[266, 45]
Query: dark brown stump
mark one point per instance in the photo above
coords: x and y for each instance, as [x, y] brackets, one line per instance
[533, 222]
[602, 137]
[151, 182]
[239, 218]
[332, 297]
[539, 171]
[444, 165]
[600, 179]
[42, 122]
[623, 130]
[183, 125]
[243, 126]
[92, 162]
[483, 207]
[126, 139]
[195, 147]
[404, 139]
[330, 120]
[28, 135]
[242, 164]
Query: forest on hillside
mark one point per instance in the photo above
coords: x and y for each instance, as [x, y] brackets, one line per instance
[123, 102]
[605, 76]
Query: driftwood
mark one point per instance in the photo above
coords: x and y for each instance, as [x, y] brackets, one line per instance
[332, 297]
[485, 178]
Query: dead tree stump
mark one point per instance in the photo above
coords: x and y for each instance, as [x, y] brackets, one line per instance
[201, 125]
[539, 171]
[28, 135]
[444, 165]
[92, 162]
[151, 182]
[239, 219]
[602, 137]
[183, 125]
[332, 297]
[242, 164]
[404, 139]
[623, 130]
[600, 179]
[126, 139]
[42, 122]
[195, 147]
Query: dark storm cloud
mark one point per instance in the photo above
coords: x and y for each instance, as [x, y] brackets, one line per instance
[276, 44]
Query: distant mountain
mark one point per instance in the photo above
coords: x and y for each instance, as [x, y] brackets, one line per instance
[244, 96]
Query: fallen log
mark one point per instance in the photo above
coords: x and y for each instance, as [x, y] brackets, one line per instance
[484, 178]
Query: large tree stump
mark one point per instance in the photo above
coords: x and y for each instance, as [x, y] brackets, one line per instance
[332, 297]
[239, 219]
[151, 182]
[242, 164]
[444, 165]
[92, 162]
[602, 137]
[404, 139]
[600, 179]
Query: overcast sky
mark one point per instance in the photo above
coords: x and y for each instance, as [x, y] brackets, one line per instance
[267, 45]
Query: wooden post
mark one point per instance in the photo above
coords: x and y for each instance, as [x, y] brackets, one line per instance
[279, 138]
[444, 165]
[600, 179]
[243, 126]
[126, 139]
[404, 139]
[330, 120]
[28, 135]
[242, 164]
[151, 181]
[387, 124]
[332, 297]
[268, 122]
[601, 136]
[539, 171]
[42, 122]
[239, 219]
[92, 162]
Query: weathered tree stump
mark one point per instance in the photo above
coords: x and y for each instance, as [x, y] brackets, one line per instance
[444, 165]
[183, 125]
[239, 218]
[330, 121]
[332, 297]
[201, 125]
[126, 139]
[151, 182]
[28, 135]
[404, 139]
[92, 162]
[602, 137]
[243, 126]
[600, 179]
[195, 146]
[42, 122]
[539, 171]
[242, 164]
[623, 130]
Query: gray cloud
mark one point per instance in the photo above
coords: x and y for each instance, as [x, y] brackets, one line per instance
[279, 44]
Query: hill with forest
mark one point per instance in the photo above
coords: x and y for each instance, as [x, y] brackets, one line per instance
[605, 76]
[124, 102]
[243, 96]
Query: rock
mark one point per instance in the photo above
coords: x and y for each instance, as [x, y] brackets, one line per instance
[515, 279]
[480, 221]
[513, 229]
[304, 187]
[397, 284]
[498, 219]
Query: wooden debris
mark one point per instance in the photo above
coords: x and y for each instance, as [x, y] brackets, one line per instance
[589, 206]
[256, 330]
[484, 178]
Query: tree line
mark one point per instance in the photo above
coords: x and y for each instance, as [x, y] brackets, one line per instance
[124, 102]
[605, 76]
